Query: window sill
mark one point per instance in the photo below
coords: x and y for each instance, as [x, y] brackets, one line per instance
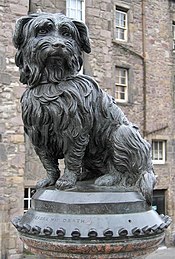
[123, 103]
[121, 42]
[159, 163]
[117, 41]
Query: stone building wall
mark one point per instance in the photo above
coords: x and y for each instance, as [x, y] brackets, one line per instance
[12, 149]
[149, 44]
[20, 167]
[160, 110]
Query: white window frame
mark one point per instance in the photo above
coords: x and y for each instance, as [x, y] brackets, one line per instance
[120, 84]
[161, 157]
[28, 198]
[119, 26]
[173, 31]
[69, 7]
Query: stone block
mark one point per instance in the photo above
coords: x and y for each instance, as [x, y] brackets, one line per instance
[18, 161]
[17, 139]
[2, 61]
[5, 78]
[3, 155]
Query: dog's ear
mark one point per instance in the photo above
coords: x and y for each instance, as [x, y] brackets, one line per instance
[18, 36]
[84, 37]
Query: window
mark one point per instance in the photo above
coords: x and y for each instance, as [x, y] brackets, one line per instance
[75, 9]
[158, 151]
[121, 85]
[159, 201]
[121, 25]
[28, 193]
[173, 29]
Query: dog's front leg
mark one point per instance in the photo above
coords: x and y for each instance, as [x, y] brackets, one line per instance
[73, 155]
[51, 166]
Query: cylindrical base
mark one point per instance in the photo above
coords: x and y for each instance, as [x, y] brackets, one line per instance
[91, 222]
[129, 248]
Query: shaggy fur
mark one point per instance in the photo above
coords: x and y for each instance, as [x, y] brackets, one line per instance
[67, 115]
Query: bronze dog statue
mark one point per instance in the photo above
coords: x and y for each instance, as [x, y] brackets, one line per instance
[66, 115]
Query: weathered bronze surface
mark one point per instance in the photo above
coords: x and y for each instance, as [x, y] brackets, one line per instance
[66, 115]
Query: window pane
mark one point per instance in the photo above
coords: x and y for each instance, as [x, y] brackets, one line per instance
[28, 193]
[160, 155]
[25, 204]
[73, 4]
[159, 201]
[155, 155]
[122, 20]
[173, 27]
[74, 9]
[32, 191]
[121, 84]
[158, 151]
[117, 33]
[120, 93]
[121, 76]
[123, 80]
[25, 192]
[117, 18]
[79, 5]
[123, 72]
[79, 15]
[122, 96]
[73, 13]
[121, 24]
[122, 34]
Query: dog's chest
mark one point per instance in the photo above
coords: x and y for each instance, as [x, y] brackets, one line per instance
[58, 108]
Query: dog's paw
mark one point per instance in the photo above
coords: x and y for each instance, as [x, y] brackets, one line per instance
[65, 183]
[68, 180]
[45, 182]
[106, 180]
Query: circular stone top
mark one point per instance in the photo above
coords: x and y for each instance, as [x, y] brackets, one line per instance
[87, 198]
[89, 213]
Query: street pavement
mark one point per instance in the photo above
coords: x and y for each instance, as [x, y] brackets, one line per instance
[163, 253]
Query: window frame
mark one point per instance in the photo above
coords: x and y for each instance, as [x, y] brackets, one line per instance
[82, 10]
[159, 201]
[173, 33]
[124, 28]
[28, 198]
[119, 84]
[163, 160]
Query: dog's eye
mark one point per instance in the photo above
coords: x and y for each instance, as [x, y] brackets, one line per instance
[66, 33]
[42, 31]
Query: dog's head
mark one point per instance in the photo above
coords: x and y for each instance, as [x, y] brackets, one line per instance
[49, 47]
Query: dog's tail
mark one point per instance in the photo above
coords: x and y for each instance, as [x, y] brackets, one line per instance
[133, 157]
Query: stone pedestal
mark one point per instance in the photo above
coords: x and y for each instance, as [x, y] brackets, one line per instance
[90, 222]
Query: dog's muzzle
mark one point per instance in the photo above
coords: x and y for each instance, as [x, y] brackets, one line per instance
[58, 45]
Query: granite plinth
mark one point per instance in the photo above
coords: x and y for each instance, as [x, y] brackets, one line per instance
[91, 223]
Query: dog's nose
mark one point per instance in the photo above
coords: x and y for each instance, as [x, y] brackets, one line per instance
[58, 45]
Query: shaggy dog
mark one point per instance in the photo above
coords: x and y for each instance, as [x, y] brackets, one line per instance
[66, 115]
